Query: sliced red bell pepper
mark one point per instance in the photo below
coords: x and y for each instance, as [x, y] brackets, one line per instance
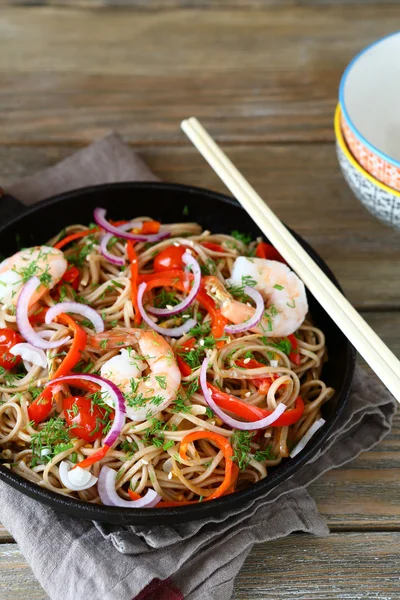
[41, 407]
[223, 444]
[175, 279]
[263, 383]
[134, 267]
[254, 413]
[150, 227]
[133, 494]
[294, 354]
[94, 458]
[167, 504]
[184, 368]
[75, 236]
[268, 251]
[212, 246]
[72, 277]
[39, 315]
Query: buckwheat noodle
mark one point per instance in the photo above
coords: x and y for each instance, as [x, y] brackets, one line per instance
[146, 454]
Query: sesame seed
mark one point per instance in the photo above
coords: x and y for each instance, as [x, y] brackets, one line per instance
[246, 361]
[201, 342]
[169, 306]
[185, 316]
[170, 475]
[144, 461]
[176, 244]
[148, 383]
[248, 304]
[228, 391]
[247, 394]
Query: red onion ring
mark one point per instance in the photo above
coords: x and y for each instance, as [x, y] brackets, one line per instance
[99, 216]
[24, 326]
[116, 260]
[79, 309]
[169, 331]
[260, 424]
[257, 316]
[116, 397]
[109, 497]
[190, 261]
[307, 437]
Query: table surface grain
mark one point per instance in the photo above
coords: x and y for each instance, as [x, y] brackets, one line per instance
[262, 75]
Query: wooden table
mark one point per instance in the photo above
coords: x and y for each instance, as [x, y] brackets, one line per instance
[262, 75]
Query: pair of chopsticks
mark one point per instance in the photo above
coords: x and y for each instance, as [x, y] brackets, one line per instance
[360, 334]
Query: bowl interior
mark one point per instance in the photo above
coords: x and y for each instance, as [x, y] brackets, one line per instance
[369, 93]
[172, 203]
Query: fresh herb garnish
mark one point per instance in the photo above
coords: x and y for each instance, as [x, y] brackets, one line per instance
[54, 437]
[245, 238]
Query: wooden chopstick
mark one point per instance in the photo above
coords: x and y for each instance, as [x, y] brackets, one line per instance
[361, 335]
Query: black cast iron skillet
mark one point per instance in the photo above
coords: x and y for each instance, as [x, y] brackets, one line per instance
[167, 202]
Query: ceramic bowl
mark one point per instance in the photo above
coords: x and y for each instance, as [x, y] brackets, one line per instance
[382, 201]
[369, 98]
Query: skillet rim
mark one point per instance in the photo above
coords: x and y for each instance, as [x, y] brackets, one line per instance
[173, 515]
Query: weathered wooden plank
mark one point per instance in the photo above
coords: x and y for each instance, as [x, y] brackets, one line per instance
[344, 566]
[151, 5]
[302, 184]
[264, 75]
[5, 537]
[17, 581]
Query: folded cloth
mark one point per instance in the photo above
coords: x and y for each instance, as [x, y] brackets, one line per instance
[75, 560]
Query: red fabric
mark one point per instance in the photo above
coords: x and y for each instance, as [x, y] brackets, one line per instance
[160, 590]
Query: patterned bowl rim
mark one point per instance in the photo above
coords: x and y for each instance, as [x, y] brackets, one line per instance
[346, 115]
[343, 146]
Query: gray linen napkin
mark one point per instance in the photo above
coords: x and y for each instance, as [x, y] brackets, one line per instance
[74, 560]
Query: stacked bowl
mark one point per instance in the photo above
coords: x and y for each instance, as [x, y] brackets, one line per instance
[367, 128]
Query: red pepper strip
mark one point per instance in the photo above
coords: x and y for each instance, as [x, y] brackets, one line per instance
[41, 407]
[294, 354]
[137, 319]
[223, 444]
[75, 236]
[167, 504]
[39, 315]
[84, 233]
[72, 276]
[254, 413]
[263, 383]
[235, 475]
[268, 251]
[240, 408]
[133, 494]
[230, 490]
[184, 368]
[212, 246]
[94, 458]
[218, 321]
[149, 227]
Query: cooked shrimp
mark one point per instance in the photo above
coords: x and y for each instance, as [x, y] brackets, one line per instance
[44, 262]
[284, 294]
[145, 394]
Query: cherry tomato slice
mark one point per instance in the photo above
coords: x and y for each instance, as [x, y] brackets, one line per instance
[86, 417]
[169, 258]
[8, 339]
